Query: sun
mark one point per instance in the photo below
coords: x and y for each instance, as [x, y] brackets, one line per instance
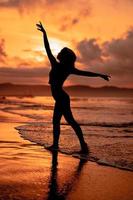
[55, 44]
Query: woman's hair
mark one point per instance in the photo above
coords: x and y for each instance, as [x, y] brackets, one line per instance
[66, 55]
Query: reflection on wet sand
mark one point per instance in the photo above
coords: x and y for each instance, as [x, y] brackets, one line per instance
[61, 193]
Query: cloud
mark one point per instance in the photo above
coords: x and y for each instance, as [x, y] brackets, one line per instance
[90, 51]
[69, 13]
[9, 3]
[119, 54]
[15, 3]
[21, 5]
[26, 71]
[68, 23]
[3, 54]
[24, 75]
[66, 13]
[113, 57]
[75, 12]
[23, 72]
[122, 47]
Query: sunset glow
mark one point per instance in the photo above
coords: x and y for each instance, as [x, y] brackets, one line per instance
[101, 34]
[66, 99]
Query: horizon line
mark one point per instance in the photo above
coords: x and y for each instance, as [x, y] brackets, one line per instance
[72, 85]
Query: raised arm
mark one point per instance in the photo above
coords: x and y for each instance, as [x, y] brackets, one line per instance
[46, 43]
[89, 74]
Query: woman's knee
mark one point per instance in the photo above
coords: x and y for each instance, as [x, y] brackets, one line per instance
[56, 122]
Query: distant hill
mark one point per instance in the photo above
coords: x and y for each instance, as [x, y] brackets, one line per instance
[9, 89]
[109, 91]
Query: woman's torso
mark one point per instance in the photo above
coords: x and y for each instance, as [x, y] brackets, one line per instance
[57, 76]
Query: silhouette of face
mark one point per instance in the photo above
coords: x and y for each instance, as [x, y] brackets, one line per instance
[66, 55]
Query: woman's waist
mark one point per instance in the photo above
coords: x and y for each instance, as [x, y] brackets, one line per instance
[56, 82]
[58, 92]
[56, 87]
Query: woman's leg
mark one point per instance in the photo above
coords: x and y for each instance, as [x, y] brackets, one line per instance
[56, 124]
[71, 121]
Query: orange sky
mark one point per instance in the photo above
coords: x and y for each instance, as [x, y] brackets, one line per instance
[100, 32]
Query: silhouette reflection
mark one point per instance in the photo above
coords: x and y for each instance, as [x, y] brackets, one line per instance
[56, 193]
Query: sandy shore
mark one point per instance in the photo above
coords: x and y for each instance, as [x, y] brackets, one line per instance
[30, 172]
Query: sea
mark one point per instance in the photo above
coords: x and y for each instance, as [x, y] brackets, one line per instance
[106, 122]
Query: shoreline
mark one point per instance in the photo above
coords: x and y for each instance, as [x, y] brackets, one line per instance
[30, 172]
[101, 162]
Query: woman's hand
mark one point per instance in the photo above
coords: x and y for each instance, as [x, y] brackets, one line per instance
[40, 27]
[105, 77]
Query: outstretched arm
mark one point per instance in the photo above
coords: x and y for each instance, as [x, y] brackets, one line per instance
[90, 74]
[46, 43]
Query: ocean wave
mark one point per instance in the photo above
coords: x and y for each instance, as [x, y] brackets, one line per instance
[107, 124]
[43, 118]
[113, 151]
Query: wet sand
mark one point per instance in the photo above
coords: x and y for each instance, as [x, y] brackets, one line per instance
[30, 172]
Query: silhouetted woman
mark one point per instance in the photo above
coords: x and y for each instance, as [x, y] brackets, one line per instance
[60, 70]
